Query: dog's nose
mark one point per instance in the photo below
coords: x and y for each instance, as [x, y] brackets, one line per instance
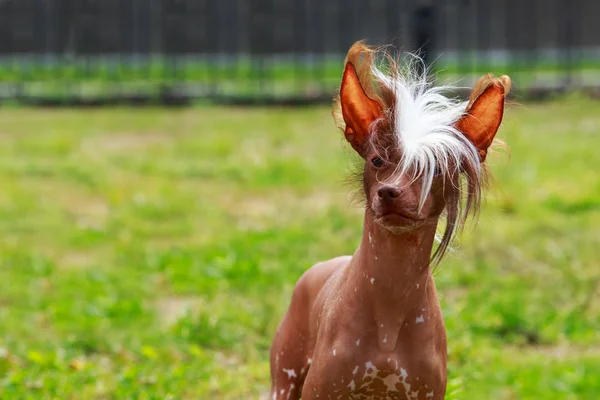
[388, 192]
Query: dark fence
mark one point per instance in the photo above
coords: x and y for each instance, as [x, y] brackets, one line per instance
[261, 50]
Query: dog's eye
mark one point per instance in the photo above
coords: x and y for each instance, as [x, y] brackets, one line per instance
[377, 162]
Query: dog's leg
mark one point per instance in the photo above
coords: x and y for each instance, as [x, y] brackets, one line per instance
[293, 345]
[291, 352]
[289, 360]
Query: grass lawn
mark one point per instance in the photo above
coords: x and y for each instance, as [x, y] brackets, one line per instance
[280, 77]
[149, 254]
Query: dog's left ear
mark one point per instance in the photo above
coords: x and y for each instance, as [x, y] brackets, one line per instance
[484, 112]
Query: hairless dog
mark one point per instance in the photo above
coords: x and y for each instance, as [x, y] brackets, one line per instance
[370, 326]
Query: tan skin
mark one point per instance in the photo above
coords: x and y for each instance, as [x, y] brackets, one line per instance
[370, 326]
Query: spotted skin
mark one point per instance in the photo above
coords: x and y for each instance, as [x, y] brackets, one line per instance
[336, 328]
[369, 326]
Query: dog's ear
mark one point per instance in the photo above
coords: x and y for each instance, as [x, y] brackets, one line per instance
[484, 112]
[358, 110]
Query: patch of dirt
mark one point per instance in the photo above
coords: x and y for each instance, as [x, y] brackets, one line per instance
[89, 211]
[274, 204]
[76, 260]
[257, 212]
[257, 207]
[171, 309]
[123, 142]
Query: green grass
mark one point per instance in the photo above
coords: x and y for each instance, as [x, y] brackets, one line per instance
[150, 254]
[245, 76]
[277, 68]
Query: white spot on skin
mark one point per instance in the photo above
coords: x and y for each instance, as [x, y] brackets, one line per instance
[355, 370]
[390, 381]
[372, 280]
[282, 391]
[292, 386]
[381, 325]
[420, 320]
[370, 370]
[357, 342]
[309, 361]
[403, 373]
[351, 385]
[418, 285]
[291, 373]
[429, 395]
[385, 339]
[370, 239]
[334, 352]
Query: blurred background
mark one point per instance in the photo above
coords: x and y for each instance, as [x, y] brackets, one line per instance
[279, 50]
[149, 251]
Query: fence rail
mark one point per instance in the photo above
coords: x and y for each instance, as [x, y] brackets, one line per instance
[257, 50]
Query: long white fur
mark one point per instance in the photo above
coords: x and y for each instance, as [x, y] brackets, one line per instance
[424, 124]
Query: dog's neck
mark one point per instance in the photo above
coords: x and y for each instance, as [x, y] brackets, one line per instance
[392, 270]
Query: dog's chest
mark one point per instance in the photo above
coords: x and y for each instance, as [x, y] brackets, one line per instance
[390, 381]
[353, 361]
[378, 376]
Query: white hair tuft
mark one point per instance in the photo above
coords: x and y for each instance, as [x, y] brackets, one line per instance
[424, 122]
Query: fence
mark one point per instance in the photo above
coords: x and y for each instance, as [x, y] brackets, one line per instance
[265, 50]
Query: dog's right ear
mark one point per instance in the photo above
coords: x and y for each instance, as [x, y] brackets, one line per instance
[358, 110]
